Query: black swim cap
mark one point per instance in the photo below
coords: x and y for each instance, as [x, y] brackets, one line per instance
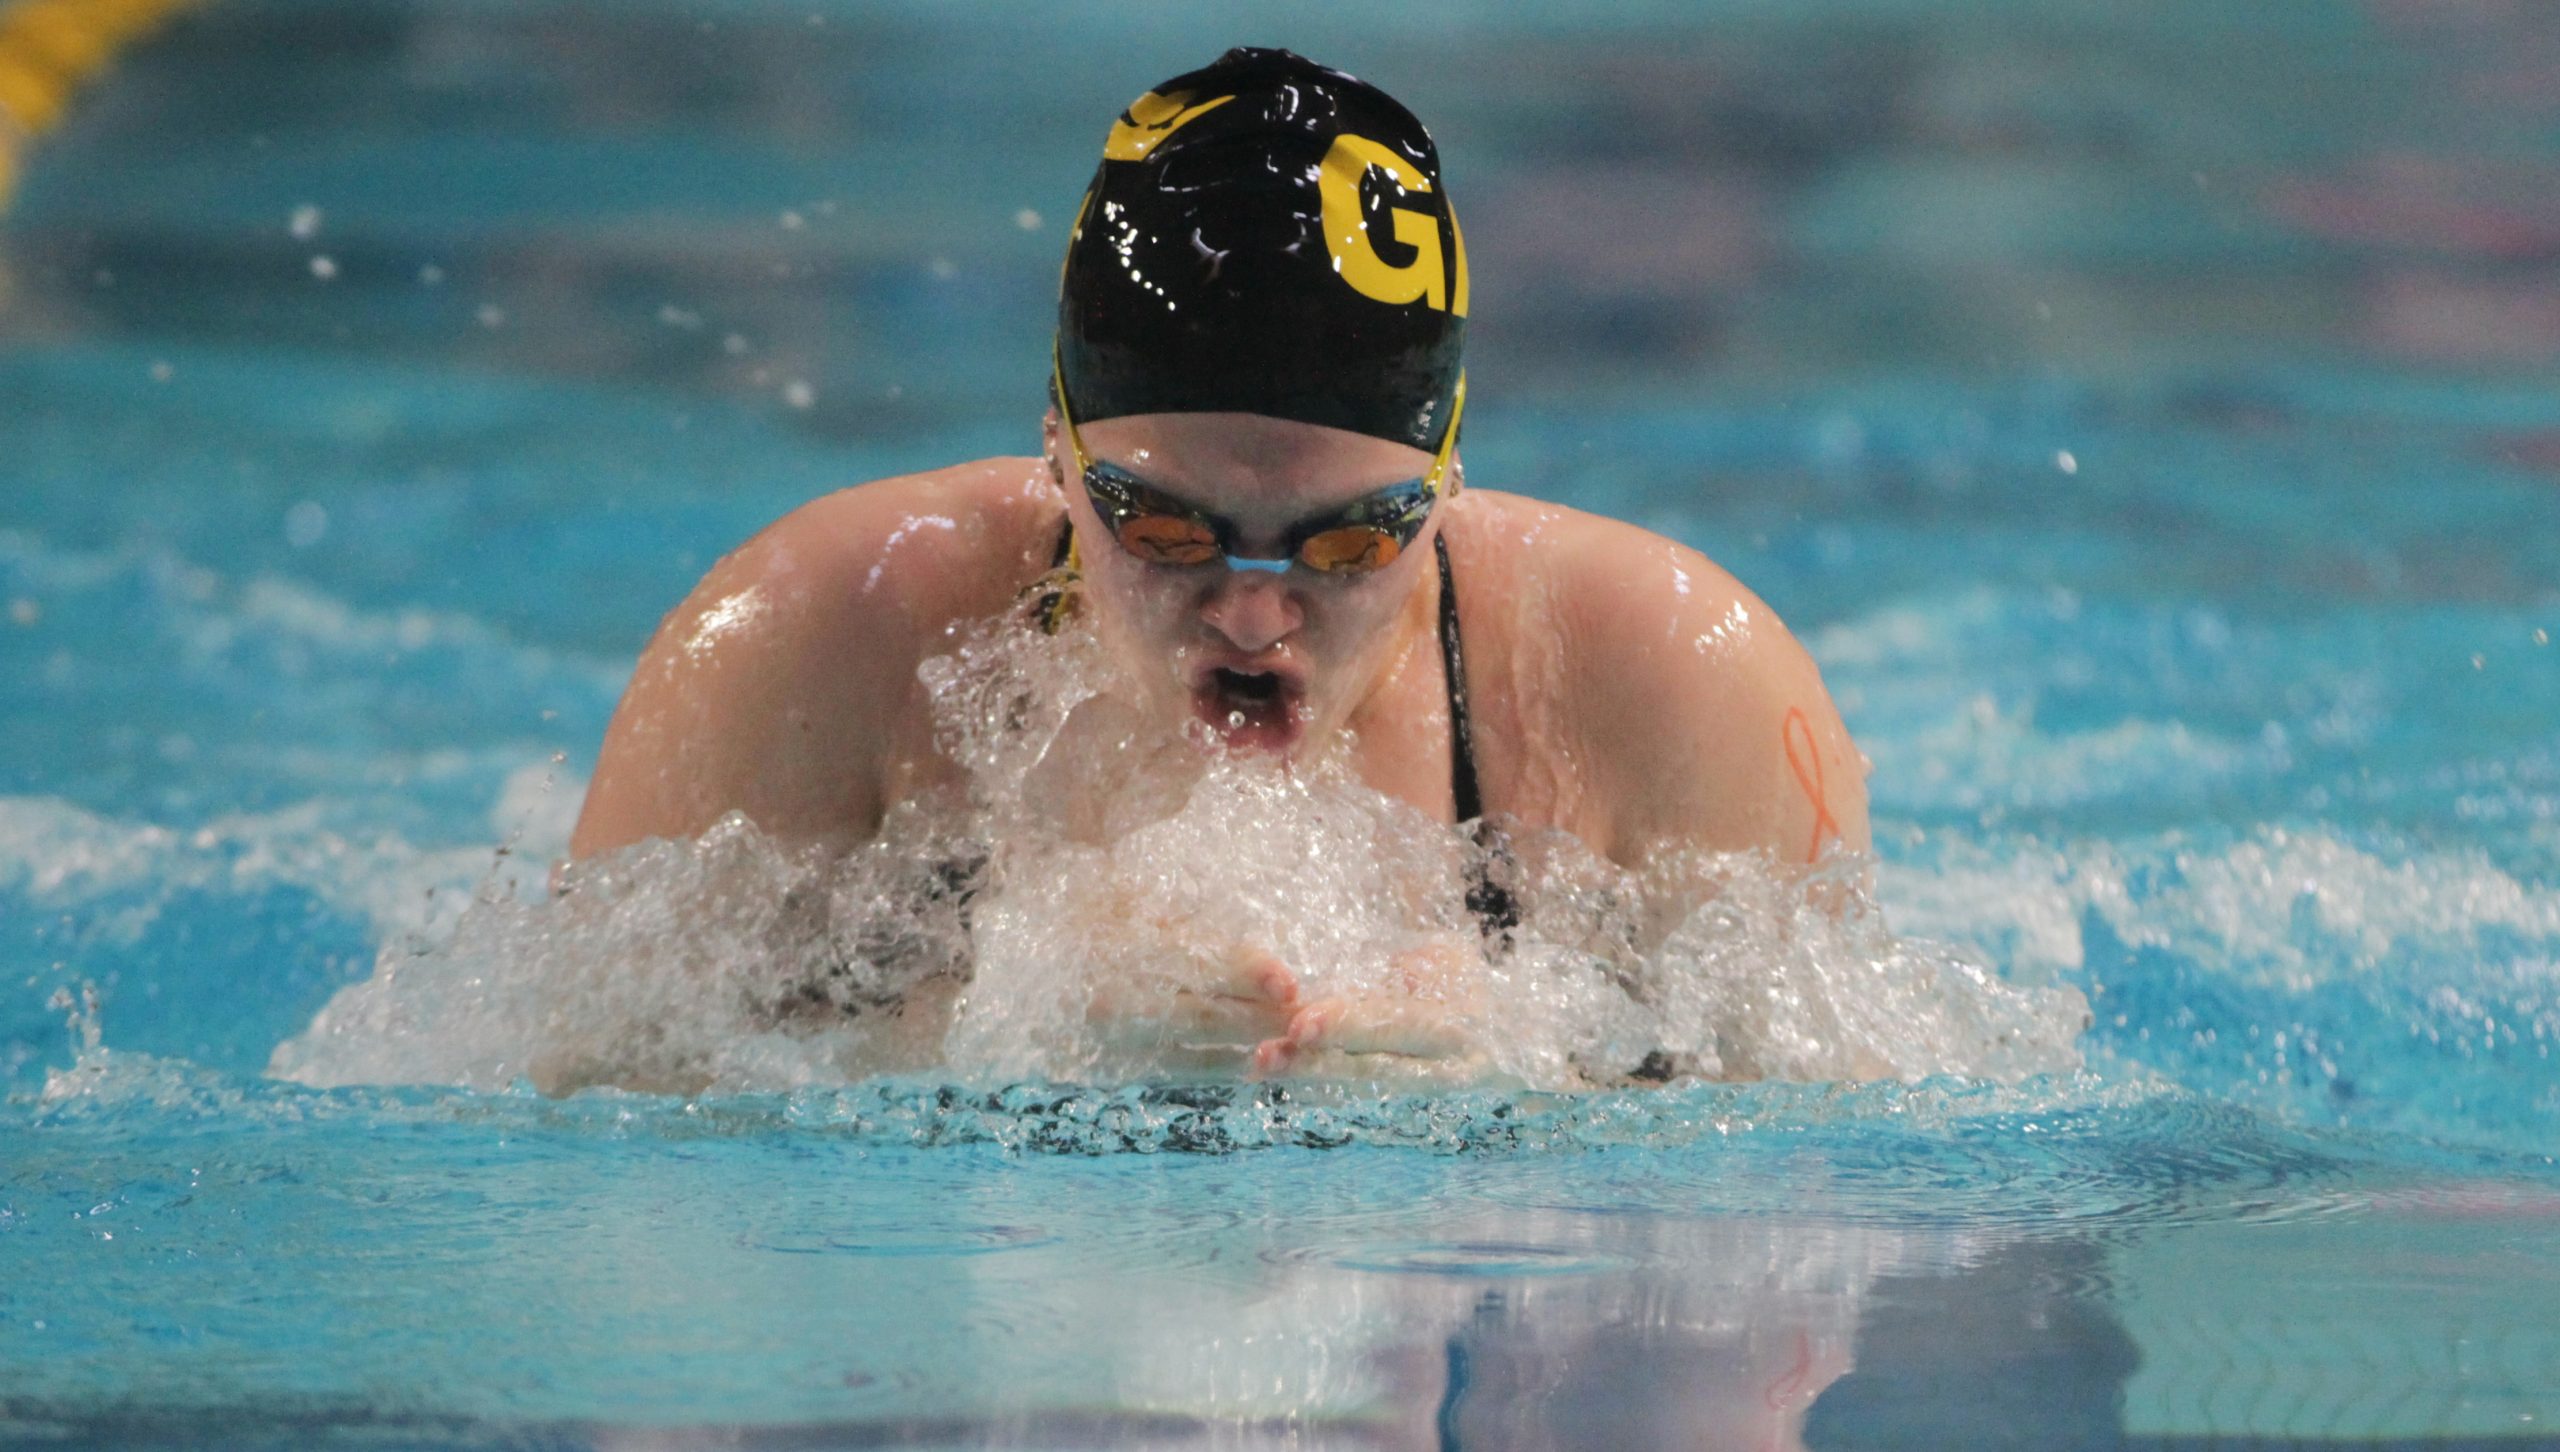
[1267, 236]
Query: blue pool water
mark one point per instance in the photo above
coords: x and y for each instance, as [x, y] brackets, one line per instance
[2149, 416]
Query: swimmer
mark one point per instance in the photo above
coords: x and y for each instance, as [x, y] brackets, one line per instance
[1250, 493]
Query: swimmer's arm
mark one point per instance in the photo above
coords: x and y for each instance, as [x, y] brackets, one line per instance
[784, 687]
[728, 710]
[1707, 723]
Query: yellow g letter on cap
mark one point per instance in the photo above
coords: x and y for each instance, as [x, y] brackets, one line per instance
[1347, 238]
[1150, 119]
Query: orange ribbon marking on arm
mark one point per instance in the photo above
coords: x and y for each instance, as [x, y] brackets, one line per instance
[1783, 1392]
[1808, 770]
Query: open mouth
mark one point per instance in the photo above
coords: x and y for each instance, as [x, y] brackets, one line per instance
[1255, 710]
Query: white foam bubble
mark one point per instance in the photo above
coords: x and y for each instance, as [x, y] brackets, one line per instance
[2291, 906]
[209, 615]
[120, 873]
[672, 966]
[1984, 754]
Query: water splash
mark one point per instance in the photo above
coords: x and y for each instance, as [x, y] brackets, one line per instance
[1061, 922]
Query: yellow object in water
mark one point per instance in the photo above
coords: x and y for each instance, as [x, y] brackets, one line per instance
[48, 50]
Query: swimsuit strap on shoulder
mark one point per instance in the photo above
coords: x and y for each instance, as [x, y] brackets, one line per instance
[1453, 664]
[1492, 903]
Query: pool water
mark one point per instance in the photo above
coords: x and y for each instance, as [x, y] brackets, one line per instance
[2149, 418]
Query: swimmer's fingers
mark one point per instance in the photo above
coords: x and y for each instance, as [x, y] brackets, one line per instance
[1138, 1015]
[1415, 1027]
[1256, 975]
[1381, 1070]
[1226, 1001]
[1406, 1027]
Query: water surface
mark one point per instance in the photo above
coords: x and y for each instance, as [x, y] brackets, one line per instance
[2147, 419]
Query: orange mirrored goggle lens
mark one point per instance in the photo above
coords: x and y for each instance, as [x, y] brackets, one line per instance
[1349, 550]
[1168, 539]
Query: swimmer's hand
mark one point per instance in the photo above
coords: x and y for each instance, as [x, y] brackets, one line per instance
[1245, 1003]
[1219, 1009]
[1426, 1028]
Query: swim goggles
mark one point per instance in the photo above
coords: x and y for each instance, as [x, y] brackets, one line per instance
[1366, 534]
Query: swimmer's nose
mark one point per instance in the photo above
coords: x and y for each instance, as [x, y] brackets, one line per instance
[1253, 611]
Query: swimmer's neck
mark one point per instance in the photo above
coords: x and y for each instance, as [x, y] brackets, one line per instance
[1405, 687]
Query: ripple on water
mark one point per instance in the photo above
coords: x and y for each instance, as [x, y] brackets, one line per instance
[936, 1240]
[1481, 1260]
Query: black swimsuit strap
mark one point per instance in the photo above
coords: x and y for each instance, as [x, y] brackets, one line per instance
[1453, 665]
[1487, 898]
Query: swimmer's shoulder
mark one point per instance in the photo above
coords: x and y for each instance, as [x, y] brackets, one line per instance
[784, 685]
[1678, 686]
[849, 590]
[931, 548]
[1623, 590]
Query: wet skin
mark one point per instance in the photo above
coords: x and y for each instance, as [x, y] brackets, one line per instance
[1624, 688]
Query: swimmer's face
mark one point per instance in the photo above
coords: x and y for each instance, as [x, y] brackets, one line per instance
[1265, 661]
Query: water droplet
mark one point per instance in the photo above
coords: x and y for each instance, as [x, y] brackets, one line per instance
[306, 524]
